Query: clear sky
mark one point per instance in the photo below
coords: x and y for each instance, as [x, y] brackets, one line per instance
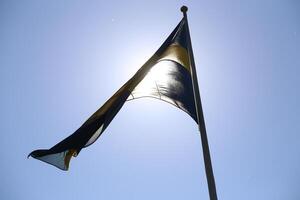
[61, 60]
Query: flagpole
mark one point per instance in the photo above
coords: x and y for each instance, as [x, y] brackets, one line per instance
[199, 111]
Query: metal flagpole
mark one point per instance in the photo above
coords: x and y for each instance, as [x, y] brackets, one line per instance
[200, 117]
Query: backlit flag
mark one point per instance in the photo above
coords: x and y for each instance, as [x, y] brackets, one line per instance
[165, 76]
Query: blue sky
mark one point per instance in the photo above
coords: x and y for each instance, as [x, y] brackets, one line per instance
[61, 60]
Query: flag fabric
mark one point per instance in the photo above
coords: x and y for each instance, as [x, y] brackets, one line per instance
[165, 76]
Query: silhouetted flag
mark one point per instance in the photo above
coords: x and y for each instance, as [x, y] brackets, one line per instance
[166, 76]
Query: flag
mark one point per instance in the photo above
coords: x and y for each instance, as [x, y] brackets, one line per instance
[165, 76]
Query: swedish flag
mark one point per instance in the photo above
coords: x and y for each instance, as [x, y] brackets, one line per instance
[165, 76]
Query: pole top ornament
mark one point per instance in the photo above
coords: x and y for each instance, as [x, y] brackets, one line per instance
[184, 9]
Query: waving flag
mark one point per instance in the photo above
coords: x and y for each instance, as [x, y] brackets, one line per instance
[165, 76]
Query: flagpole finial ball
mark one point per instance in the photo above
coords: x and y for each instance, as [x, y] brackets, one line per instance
[184, 9]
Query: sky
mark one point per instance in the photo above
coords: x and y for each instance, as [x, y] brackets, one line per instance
[61, 60]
